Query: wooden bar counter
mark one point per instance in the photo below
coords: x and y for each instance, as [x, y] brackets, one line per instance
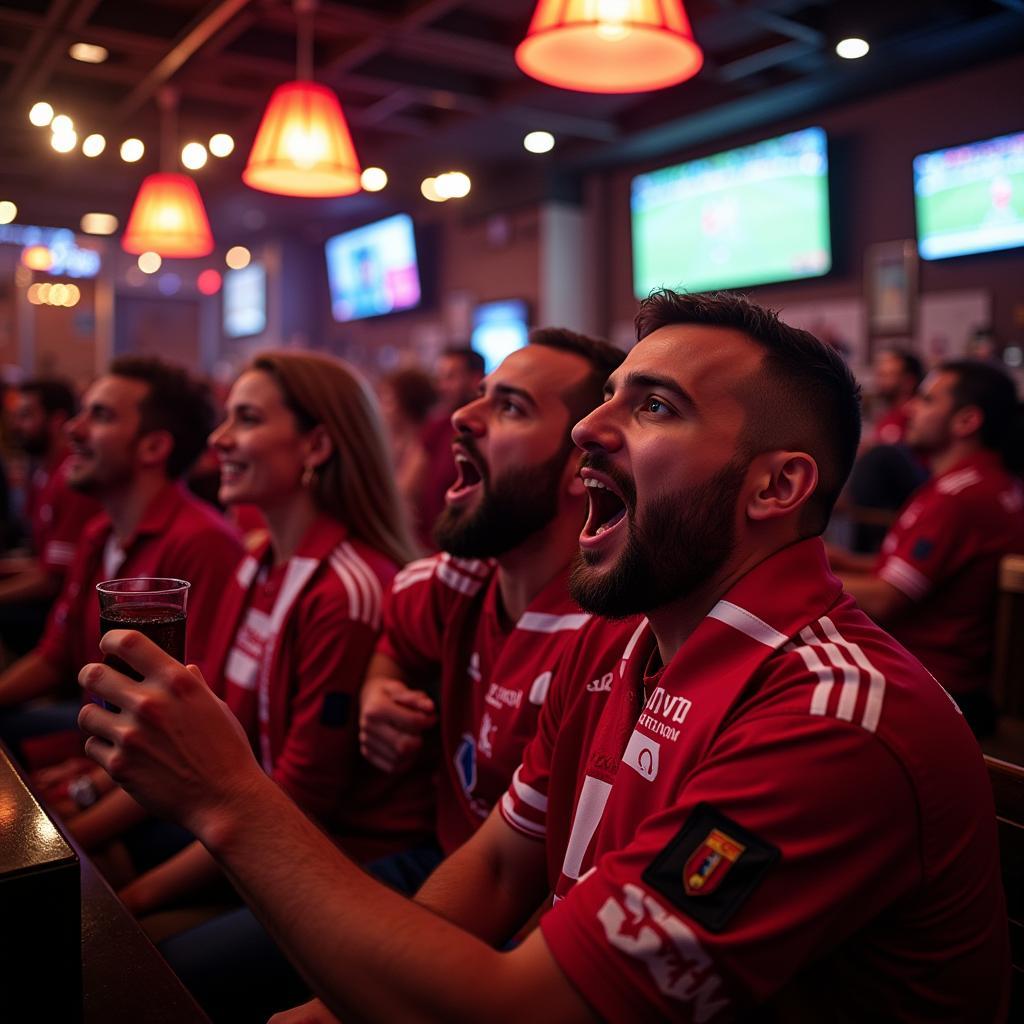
[69, 950]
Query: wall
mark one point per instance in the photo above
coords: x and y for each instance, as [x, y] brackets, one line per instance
[872, 143]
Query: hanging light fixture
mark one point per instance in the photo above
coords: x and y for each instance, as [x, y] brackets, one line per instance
[168, 216]
[612, 46]
[303, 146]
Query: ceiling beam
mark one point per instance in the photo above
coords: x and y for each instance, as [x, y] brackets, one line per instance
[42, 37]
[187, 45]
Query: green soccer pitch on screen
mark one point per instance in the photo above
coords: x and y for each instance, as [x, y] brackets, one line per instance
[970, 198]
[746, 216]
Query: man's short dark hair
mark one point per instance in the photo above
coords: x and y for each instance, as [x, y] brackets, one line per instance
[472, 361]
[414, 393]
[805, 398]
[989, 389]
[603, 357]
[54, 395]
[910, 364]
[176, 402]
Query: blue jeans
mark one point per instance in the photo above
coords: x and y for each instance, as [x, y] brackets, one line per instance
[235, 971]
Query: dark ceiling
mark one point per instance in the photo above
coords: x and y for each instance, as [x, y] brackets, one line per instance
[430, 85]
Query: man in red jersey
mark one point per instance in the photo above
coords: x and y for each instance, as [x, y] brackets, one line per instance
[897, 376]
[140, 428]
[935, 583]
[483, 625]
[776, 810]
[56, 514]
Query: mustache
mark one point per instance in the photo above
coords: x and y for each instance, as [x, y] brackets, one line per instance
[601, 463]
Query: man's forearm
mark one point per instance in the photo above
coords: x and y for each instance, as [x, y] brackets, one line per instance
[367, 952]
[113, 814]
[489, 885]
[28, 678]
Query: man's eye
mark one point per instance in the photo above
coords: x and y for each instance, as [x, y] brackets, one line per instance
[655, 405]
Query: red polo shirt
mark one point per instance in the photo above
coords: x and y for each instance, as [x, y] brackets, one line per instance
[179, 537]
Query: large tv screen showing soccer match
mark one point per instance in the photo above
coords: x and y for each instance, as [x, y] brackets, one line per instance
[747, 216]
[970, 198]
[372, 270]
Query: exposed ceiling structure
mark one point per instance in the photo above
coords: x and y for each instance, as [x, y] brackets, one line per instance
[427, 86]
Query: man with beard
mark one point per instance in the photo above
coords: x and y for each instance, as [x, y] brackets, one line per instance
[482, 625]
[776, 813]
[56, 514]
[141, 427]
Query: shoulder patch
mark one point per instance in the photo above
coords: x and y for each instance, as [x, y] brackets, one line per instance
[710, 867]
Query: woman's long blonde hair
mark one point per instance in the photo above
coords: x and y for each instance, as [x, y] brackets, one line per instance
[356, 484]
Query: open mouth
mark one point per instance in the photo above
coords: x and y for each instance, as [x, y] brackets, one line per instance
[607, 506]
[469, 479]
[231, 471]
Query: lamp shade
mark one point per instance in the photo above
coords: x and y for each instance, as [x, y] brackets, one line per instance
[168, 218]
[612, 46]
[303, 146]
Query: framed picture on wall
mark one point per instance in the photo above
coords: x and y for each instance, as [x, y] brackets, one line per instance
[890, 282]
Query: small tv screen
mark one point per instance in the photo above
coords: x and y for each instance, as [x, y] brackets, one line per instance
[245, 301]
[970, 198]
[372, 270]
[498, 329]
[742, 217]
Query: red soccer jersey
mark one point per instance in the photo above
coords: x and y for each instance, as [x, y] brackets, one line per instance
[180, 537]
[57, 515]
[293, 643]
[944, 554]
[443, 621]
[791, 813]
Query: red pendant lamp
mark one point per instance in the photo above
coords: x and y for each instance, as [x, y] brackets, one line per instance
[610, 46]
[303, 146]
[168, 216]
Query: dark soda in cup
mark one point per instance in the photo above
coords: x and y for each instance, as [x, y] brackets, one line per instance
[156, 607]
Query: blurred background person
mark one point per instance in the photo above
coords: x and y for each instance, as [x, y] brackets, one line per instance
[934, 585]
[141, 426]
[407, 398]
[898, 372]
[55, 512]
[457, 378]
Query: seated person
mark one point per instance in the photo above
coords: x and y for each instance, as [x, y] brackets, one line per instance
[141, 426]
[406, 399]
[934, 585]
[775, 809]
[56, 513]
[898, 374]
[483, 636]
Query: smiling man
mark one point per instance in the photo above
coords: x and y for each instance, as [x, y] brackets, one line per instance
[776, 804]
[141, 427]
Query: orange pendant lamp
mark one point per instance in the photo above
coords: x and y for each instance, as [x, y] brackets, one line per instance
[168, 216]
[610, 46]
[303, 146]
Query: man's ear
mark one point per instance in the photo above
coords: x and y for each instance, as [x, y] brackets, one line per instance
[783, 483]
[154, 447]
[966, 422]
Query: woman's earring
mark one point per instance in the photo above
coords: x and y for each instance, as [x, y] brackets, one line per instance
[309, 476]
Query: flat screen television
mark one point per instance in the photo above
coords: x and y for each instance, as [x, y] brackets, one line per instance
[498, 329]
[372, 270]
[970, 198]
[742, 217]
[245, 301]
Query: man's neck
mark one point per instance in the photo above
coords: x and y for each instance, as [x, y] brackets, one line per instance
[942, 462]
[674, 623]
[127, 505]
[527, 569]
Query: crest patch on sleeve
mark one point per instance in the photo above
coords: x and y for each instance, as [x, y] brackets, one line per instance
[710, 867]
